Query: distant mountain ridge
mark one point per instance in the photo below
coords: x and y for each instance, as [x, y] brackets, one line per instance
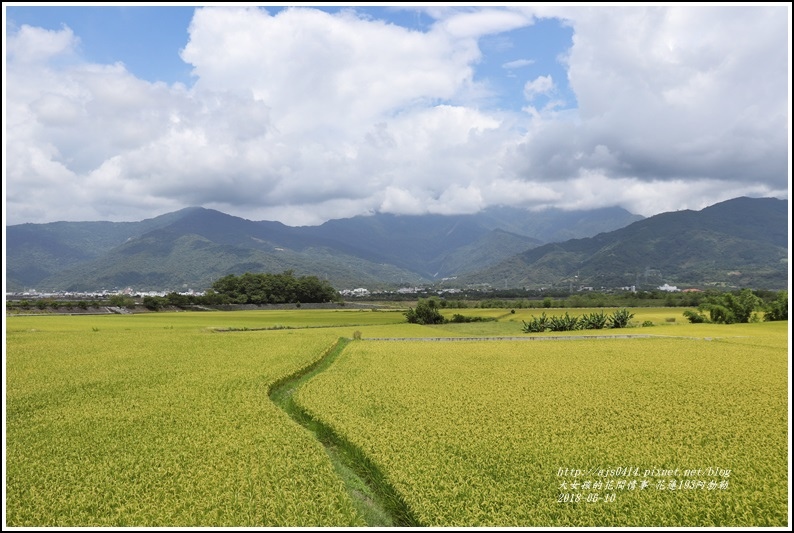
[193, 246]
[503, 247]
[36, 251]
[739, 242]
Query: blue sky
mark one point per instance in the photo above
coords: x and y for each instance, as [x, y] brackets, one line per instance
[305, 114]
[148, 39]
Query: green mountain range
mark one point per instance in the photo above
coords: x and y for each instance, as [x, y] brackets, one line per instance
[742, 242]
[737, 243]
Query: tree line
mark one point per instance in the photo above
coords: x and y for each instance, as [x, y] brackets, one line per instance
[251, 288]
[733, 308]
[282, 288]
[722, 308]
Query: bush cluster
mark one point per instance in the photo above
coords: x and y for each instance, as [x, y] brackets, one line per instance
[427, 312]
[599, 320]
[733, 308]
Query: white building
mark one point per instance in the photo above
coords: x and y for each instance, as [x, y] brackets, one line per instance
[354, 292]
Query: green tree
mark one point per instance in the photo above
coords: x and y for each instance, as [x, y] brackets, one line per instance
[228, 286]
[213, 298]
[729, 308]
[274, 289]
[694, 317]
[177, 300]
[121, 300]
[426, 312]
[154, 303]
[777, 309]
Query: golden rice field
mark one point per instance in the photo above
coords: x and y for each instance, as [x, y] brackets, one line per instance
[162, 419]
[610, 432]
[151, 420]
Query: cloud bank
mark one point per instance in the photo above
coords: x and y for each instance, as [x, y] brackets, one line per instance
[303, 116]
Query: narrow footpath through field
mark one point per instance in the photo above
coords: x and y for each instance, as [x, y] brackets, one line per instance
[377, 502]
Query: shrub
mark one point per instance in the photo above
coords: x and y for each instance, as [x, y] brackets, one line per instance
[620, 318]
[594, 321]
[694, 317]
[564, 323]
[459, 319]
[426, 312]
[538, 324]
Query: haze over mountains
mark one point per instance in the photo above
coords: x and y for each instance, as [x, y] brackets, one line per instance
[741, 242]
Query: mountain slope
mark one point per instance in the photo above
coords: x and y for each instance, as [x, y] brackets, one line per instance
[164, 259]
[412, 249]
[36, 251]
[556, 225]
[423, 244]
[740, 242]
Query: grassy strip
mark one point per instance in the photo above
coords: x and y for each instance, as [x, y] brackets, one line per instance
[276, 328]
[374, 498]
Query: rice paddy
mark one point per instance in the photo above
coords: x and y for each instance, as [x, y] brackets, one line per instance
[146, 422]
[164, 419]
[487, 433]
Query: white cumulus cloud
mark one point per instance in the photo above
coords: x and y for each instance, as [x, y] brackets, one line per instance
[540, 85]
[304, 116]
